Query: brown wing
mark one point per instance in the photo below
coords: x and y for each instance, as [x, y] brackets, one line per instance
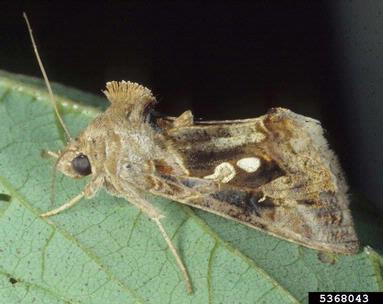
[297, 193]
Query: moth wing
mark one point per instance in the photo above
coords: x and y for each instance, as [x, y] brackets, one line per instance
[323, 226]
[297, 192]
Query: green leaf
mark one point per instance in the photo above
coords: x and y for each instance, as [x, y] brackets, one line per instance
[105, 251]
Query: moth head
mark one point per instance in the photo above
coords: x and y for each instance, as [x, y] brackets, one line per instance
[74, 163]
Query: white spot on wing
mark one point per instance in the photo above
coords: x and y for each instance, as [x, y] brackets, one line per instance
[249, 164]
[262, 199]
[223, 173]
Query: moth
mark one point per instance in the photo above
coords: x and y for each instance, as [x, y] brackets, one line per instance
[275, 173]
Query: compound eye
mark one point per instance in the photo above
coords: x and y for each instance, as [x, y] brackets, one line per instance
[82, 165]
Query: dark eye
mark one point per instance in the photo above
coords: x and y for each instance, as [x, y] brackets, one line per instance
[81, 165]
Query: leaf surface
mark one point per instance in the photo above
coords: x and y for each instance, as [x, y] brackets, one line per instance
[105, 251]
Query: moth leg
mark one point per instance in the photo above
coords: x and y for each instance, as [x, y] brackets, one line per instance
[135, 199]
[179, 261]
[67, 205]
[88, 192]
[48, 153]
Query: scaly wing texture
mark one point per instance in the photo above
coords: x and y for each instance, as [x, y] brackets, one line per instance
[297, 193]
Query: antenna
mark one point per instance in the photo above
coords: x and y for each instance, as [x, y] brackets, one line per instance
[51, 96]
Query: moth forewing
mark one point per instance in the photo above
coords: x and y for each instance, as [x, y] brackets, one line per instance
[274, 173]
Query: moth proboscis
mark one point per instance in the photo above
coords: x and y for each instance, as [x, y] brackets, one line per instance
[274, 173]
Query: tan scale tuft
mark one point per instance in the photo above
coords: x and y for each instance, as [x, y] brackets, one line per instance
[127, 92]
[184, 120]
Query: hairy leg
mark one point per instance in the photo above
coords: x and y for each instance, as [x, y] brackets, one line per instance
[136, 199]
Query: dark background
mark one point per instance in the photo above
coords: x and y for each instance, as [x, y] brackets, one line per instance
[224, 60]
